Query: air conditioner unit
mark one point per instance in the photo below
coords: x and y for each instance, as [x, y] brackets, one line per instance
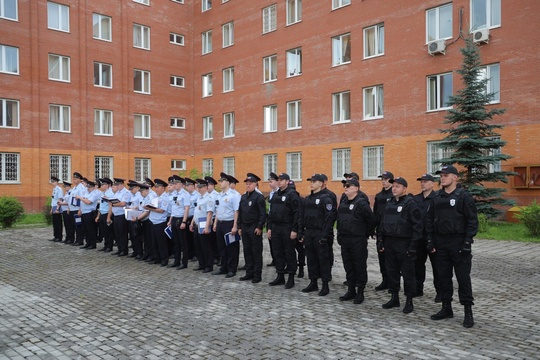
[481, 36]
[437, 47]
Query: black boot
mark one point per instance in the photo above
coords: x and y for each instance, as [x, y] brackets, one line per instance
[408, 308]
[300, 272]
[393, 302]
[359, 296]
[445, 313]
[383, 285]
[290, 282]
[325, 290]
[279, 280]
[468, 321]
[349, 295]
[438, 298]
[311, 287]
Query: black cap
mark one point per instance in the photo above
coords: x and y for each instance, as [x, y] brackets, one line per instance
[119, 181]
[106, 181]
[201, 182]
[159, 182]
[351, 181]
[54, 179]
[132, 184]
[447, 169]
[426, 177]
[233, 179]
[84, 179]
[143, 187]
[77, 175]
[149, 181]
[66, 183]
[399, 180]
[386, 175]
[351, 175]
[316, 177]
[252, 178]
[90, 183]
[284, 176]
[223, 176]
[273, 176]
[98, 183]
[210, 180]
[189, 181]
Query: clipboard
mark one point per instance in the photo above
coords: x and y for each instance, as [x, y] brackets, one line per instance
[168, 232]
[75, 202]
[78, 220]
[129, 213]
[202, 224]
[230, 238]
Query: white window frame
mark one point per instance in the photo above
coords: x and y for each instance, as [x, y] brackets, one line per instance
[228, 79]
[60, 22]
[227, 31]
[177, 81]
[208, 128]
[60, 166]
[341, 163]
[178, 165]
[8, 56]
[340, 51]
[178, 1]
[207, 85]
[206, 5]
[142, 168]
[336, 4]
[178, 123]
[101, 25]
[144, 2]
[102, 75]
[103, 122]
[228, 125]
[341, 107]
[374, 41]
[294, 11]
[269, 19]
[497, 166]
[270, 68]
[270, 118]
[62, 67]
[6, 109]
[492, 74]
[373, 102]
[436, 152]
[208, 167]
[492, 14]
[294, 115]
[145, 81]
[438, 25]
[229, 166]
[141, 126]
[103, 167]
[176, 39]
[373, 161]
[270, 164]
[294, 62]
[3, 12]
[141, 36]
[9, 161]
[294, 165]
[61, 123]
[206, 42]
[435, 101]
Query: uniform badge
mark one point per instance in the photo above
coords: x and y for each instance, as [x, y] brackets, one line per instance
[399, 208]
[317, 201]
[283, 198]
[328, 207]
[249, 203]
[452, 202]
[351, 206]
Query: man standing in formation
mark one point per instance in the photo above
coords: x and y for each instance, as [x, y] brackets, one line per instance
[158, 217]
[378, 209]
[201, 226]
[56, 209]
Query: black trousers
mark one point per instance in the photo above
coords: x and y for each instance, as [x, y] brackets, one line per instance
[284, 249]
[318, 255]
[69, 224]
[79, 229]
[89, 223]
[420, 267]
[57, 225]
[148, 244]
[136, 236]
[106, 232]
[382, 262]
[300, 252]
[449, 260]
[203, 250]
[121, 232]
[178, 237]
[160, 239]
[229, 253]
[399, 264]
[354, 253]
[253, 250]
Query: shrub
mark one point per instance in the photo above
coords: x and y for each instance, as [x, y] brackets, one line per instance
[46, 211]
[530, 217]
[483, 223]
[11, 210]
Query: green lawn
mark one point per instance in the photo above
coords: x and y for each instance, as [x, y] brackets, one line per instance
[32, 220]
[507, 231]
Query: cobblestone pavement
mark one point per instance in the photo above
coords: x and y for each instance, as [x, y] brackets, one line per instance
[61, 302]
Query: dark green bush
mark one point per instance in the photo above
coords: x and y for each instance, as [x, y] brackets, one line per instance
[11, 210]
[483, 223]
[46, 211]
[530, 217]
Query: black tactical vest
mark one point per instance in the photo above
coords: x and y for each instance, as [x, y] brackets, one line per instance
[347, 223]
[395, 222]
[448, 218]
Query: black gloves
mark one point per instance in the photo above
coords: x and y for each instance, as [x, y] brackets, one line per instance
[411, 253]
[430, 246]
[466, 248]
[380, 245]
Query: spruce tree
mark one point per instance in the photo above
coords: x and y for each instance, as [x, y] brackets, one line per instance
[475, 143]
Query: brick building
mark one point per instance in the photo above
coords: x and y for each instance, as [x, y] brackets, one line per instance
[137, 88]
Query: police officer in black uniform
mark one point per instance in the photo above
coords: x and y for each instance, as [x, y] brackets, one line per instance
[299, 243]
[400, 230]
[349, 176]
[379, 204]
[451, 226]
[355, 224]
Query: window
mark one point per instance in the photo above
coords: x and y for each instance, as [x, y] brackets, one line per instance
[492, 75]
[178, 123]
[496, 165]
[439, 91]
[9, 113]
[294, 114]
[9, 59]
[294, 11]
[103, 167]
[143, 169]
[8, 9]
[141, 36]
[103, 122]
[228, 125]
[141, 81]
[228, 165]
[102, 27]
[208, 128]
[59, 118]
[57, 16]
[177, 165]
[228, 79]
[102, 75]
[485, 14]
[60, 166]
[341, 105]
[339, 3]
[269, 15]
[145, 2]
[207, 42]
[341, 163]
[176, 39]
[439, 23]
[208, 167]
[178, 1]
[207, 85]
[142, 126]
[59, 68]
[270, 68]
[228, 34]
[270, 165]
[341, 49]
[374, 41]
[270, 118]
[294, 62]
[206, 5]
[373, 102]
[373, 159]
[435, 151]
[10, 164]
[177, 81]
[294, 165]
